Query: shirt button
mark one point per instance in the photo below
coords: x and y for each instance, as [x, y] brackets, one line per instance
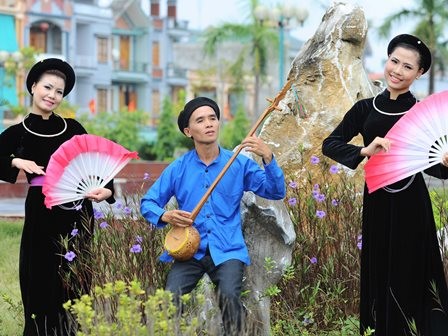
[206, 185]
[209, 231]
[208, 216]
[206, 170]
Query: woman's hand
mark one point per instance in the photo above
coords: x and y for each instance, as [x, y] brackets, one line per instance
[257, 146]
[177, 218]
[377, 145]
[100, 194]
[28, 166]
[445, 159]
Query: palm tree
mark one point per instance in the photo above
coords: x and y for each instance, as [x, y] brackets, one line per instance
[431, 16]
[256, 41]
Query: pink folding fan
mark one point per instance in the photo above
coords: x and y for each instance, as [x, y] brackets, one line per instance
[81, 164]
[418, 141]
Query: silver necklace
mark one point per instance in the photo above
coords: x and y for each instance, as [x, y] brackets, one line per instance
[387, 113]
[45, 135]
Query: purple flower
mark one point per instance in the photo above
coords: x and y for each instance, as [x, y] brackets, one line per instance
[74, 232]
[359, 242]
[70, 255]
[127, 210]
[146, 176]
[316, 187]
[314, 160]
[136, 248]
[293, 185]
[320, 198]
[334, 169]
[97, 214]
[139, 239]
[292, 201]
[320, 213]
[104, 225]
[119, 205]
[335, 202]
[315, 193]
[313, 260]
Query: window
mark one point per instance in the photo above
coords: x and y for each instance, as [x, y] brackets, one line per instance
[102, 49]
[101, 95]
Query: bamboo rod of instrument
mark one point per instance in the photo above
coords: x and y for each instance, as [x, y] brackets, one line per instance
[269, 109]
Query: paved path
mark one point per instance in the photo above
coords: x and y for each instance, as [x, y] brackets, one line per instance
[12, 207]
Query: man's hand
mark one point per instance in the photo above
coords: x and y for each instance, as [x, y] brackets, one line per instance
[177, 218]
[257, 146]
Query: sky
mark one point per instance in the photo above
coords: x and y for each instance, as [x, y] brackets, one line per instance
[203, 13]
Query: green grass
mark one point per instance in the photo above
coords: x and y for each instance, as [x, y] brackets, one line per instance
[10, 301]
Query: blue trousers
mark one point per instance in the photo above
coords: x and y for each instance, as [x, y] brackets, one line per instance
[227, 278]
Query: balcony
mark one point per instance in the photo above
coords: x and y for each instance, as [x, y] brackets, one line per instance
[132, 72]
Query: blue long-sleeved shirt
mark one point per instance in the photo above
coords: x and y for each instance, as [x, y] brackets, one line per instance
[219, 221]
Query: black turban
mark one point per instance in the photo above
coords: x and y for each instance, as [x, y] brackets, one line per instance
[425, 54]
[191, 106]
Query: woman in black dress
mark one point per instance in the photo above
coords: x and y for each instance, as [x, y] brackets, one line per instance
[401, 265]
[28, 146]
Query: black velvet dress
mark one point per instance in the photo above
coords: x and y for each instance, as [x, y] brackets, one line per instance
[41, 254]
[400, 255]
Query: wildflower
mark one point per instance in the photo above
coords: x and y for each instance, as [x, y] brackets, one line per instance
[320, 198]
[104, 225]
[315, 193]
[313, 260]
[70, 255]
[335, 202]
[320, 213]
[119, 205]
[136, 248]
[74, 232]
[307, 321]
[359, 242]
[146, 176]
[97, 214]
[139, 239]
[127, 210]
[316, 187]
[334, 169]
[292, 201]
[314, 160]
[293, 185]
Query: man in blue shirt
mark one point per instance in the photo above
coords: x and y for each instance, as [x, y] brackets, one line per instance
[222, 251]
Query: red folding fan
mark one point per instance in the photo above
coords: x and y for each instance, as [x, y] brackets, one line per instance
[418, 141]
[81, 164]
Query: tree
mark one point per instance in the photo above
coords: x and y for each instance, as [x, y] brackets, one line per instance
[166, 132]
[122, 127]
[431, 16]
[257, 40]
[235, 130]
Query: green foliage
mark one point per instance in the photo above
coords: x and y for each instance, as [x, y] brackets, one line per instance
[122, 127]
[439, 206]
[167, 132]
[11, 311]
[169, 137]
[125, 310]
[235, 130]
